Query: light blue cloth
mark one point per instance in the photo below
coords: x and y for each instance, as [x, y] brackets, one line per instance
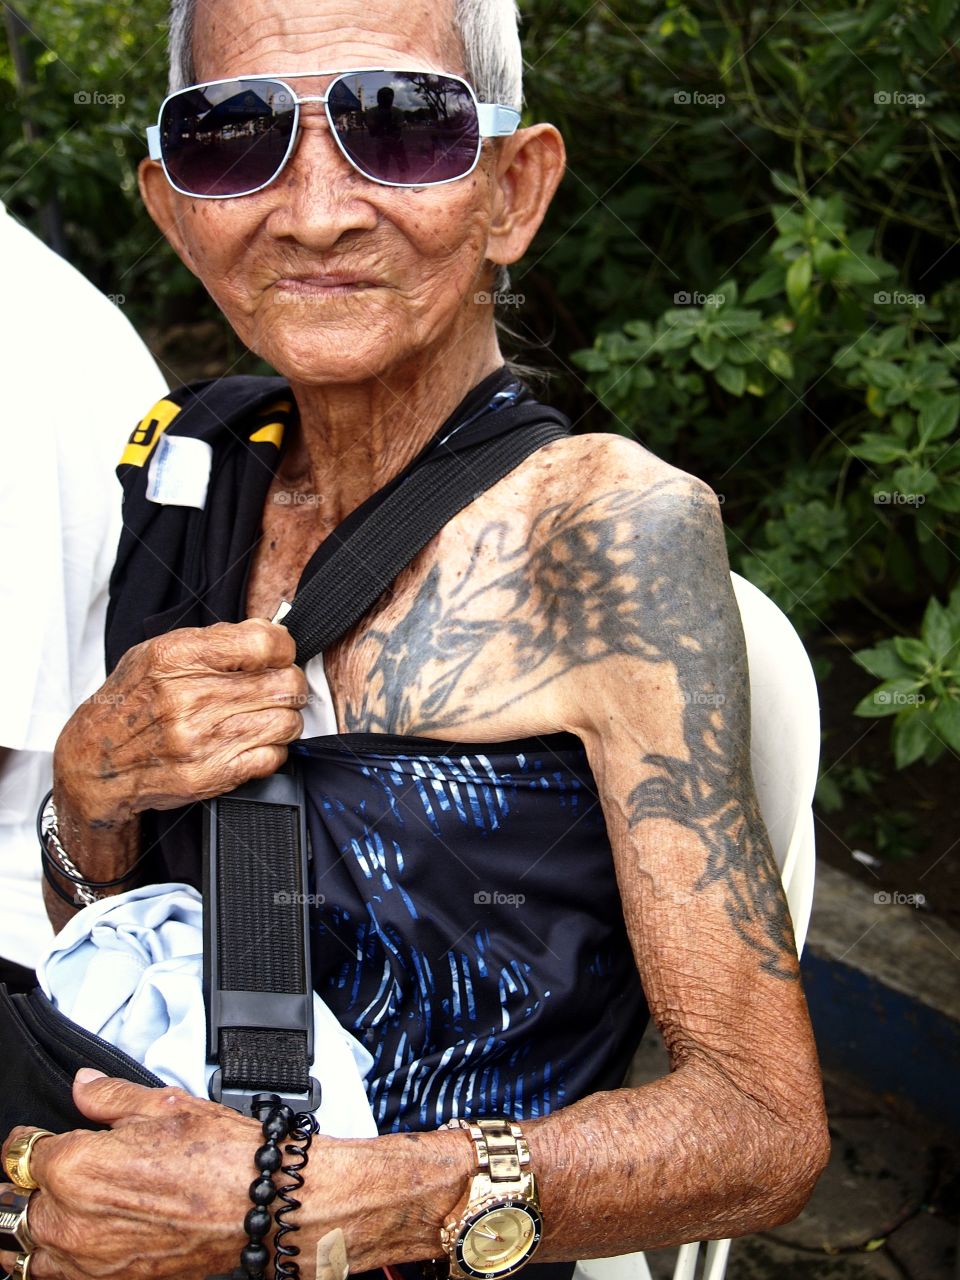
[130, 969]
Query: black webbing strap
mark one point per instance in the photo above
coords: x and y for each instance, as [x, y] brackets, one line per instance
[256, 946]
[362, 565]
[259, 996]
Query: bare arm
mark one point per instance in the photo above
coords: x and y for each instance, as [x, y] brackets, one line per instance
[734, 1139]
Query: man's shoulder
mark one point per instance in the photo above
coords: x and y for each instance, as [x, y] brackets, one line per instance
[604, 470]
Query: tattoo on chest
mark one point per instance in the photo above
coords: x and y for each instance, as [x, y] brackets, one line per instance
[592, 579]
[527, 611]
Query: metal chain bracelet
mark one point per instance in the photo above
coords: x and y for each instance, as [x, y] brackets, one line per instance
[55, 855]
[48, 832]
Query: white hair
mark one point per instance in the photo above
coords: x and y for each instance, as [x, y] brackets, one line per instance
[487, 30]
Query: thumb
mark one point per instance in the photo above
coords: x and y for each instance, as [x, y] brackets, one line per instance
[108, 1100]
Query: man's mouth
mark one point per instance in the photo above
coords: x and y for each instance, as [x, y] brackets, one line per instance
[324, 284]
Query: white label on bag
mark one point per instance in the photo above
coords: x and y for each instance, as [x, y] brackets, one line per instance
[179, 472]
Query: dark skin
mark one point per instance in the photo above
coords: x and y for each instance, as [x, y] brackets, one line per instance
[588, 591]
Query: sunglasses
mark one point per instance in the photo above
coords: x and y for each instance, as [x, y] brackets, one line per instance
[229, 138]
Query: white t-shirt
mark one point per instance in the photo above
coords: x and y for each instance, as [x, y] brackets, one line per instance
[76, 380]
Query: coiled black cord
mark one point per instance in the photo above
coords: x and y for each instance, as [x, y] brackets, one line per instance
[301, 1135]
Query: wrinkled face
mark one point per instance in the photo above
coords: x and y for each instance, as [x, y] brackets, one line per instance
[420, 251]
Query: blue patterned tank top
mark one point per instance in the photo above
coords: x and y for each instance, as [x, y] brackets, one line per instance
[466, 923]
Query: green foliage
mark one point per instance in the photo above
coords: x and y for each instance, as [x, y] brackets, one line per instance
[784, 321]
[97, 77]
[818, 330]
[921, 685]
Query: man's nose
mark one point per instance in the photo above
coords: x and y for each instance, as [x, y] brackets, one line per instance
[319, 193]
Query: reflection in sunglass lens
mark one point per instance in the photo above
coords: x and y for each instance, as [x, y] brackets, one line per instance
[406, 127]
[228, 138]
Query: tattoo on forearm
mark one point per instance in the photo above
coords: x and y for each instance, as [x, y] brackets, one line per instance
[625, 573]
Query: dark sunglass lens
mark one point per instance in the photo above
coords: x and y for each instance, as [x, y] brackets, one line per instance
[406, 127]
[229, 138]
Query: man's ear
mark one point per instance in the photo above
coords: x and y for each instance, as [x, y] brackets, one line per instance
[529, 167]
[165, 206]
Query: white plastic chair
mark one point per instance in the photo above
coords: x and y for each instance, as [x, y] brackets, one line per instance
[785, 754]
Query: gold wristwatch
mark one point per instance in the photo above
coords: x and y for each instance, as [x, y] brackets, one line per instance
[496, 1227]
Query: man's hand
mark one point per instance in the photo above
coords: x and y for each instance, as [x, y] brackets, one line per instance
[183, 717]
[162, 1194]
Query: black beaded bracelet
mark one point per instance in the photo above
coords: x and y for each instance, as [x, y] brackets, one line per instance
[277, 1120]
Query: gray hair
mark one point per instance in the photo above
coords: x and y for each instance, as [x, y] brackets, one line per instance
[487, 30]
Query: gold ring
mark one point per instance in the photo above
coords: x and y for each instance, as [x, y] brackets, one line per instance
[14, 1208]
[17, 1160]
[21, 1267]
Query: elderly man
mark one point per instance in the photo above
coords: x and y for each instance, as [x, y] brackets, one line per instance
[581, 607]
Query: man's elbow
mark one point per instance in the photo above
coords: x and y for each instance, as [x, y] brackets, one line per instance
[798, 1156]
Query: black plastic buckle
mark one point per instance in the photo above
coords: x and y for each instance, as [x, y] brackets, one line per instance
[242, 1099]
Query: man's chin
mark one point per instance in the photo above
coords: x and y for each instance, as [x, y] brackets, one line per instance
[325, 356]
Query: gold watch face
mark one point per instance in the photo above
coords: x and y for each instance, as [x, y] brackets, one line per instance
[499, 1240]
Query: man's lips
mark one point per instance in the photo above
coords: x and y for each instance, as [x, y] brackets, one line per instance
[324, 283]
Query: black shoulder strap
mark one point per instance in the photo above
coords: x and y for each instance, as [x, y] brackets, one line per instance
[259, 988]
[361, 560]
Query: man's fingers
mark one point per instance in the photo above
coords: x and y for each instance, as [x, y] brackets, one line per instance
[21, 1131]
[108, 1100]
[39, 1221]
[262, 729]
[253, 645]
[43, 1266]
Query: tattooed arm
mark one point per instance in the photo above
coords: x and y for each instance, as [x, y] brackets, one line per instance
[734, 1138]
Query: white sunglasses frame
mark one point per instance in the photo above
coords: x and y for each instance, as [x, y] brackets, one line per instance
[494, 121]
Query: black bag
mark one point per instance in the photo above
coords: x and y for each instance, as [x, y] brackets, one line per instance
[263, 1038]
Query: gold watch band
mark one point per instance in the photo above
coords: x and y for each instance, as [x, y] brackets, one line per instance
[502, 1150]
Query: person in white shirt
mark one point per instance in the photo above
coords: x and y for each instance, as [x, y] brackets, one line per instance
[76, 378]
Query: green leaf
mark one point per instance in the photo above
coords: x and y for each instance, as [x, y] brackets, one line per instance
[786, 183]
[947, 496]
[946, 721]
[639, 329]
[939, 418]
[592, 360]
[732, 378]
[728, 291]
[780, 362]
[941, 13]
[887, 699]
[708, 355]
[883, 373]
[828, 796]
[911, 735]
[913, 652]
[799, 274]
[940, 631]
[912, 478]
[876, 448]
[766, 285]
[828, 259]
[863, 269]
[642, 378]
[882, 661]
